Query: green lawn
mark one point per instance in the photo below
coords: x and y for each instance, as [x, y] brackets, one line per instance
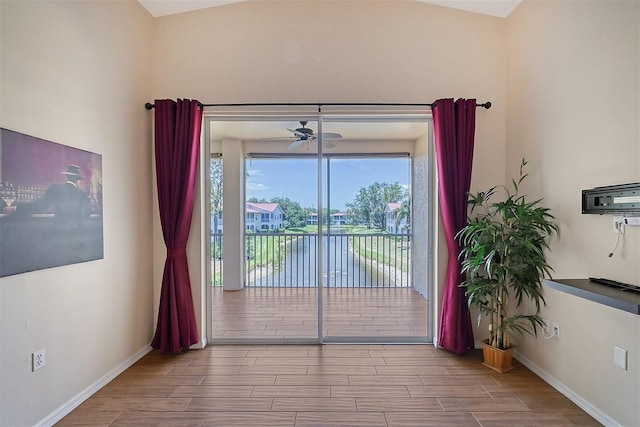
[388, 250]
[263, 251]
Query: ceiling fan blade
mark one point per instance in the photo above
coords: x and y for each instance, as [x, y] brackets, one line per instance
[331, 135]
[328, 144]
[296, 144]
[296, 133]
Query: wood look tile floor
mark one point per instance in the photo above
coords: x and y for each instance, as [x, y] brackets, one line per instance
[283, 313]
[330, 385]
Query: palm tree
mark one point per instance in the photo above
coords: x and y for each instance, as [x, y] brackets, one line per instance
[404, 212]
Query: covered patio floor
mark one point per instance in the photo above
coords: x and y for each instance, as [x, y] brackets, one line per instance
[291, 313]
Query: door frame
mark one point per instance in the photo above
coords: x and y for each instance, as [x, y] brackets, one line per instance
[319, 117]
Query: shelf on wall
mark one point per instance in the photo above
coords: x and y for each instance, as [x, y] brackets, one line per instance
[599, 293]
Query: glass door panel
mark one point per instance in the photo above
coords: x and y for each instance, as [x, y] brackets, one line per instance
[274, 298]
[369, 290]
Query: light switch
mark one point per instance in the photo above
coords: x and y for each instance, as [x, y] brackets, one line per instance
[620, 357]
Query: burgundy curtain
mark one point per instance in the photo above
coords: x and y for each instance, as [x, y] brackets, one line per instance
[177, 142]
[454, 126]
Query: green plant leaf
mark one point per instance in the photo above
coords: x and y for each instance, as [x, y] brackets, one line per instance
[503, 254]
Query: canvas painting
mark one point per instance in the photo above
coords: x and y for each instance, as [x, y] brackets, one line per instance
[50, 204]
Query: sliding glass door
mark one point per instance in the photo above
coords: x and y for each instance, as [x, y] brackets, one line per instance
[318, 230]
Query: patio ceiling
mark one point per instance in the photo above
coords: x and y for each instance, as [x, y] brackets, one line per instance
[350, 131]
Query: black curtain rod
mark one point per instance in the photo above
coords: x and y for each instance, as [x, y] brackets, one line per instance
[487, 105]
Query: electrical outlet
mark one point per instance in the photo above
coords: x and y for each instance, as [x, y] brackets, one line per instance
[37, 360]
[635, 220]
[556, 329]
[618, 224]
[547, 325]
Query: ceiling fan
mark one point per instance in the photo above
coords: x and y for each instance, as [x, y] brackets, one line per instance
[304, 134]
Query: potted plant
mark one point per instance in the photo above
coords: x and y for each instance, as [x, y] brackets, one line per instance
[503, 255]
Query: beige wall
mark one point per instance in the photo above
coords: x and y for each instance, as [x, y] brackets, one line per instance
[573, 109]
[82, 77]
[319, 51]
[77, 73]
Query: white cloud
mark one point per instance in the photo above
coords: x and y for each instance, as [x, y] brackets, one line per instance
[256, 186]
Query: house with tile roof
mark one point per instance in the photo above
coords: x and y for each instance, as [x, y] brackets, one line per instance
[395, 226]
[263, 216]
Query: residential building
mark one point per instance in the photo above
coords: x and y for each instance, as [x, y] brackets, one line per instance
[339, 218]
[563, 77]
[313, 218]
[264, 216]
[395, 225]
[258, 217]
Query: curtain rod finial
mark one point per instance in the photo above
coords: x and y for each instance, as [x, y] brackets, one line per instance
[149, 106]
[486, 105]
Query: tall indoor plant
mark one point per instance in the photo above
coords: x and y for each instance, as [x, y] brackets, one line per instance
[503, 252]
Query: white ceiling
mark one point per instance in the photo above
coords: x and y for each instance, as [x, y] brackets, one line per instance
[499, 8]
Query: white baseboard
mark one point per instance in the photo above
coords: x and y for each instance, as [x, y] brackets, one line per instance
[74, 402]
[585, 405]
[199, 345]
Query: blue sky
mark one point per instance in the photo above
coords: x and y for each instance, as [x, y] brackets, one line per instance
[297, 178]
